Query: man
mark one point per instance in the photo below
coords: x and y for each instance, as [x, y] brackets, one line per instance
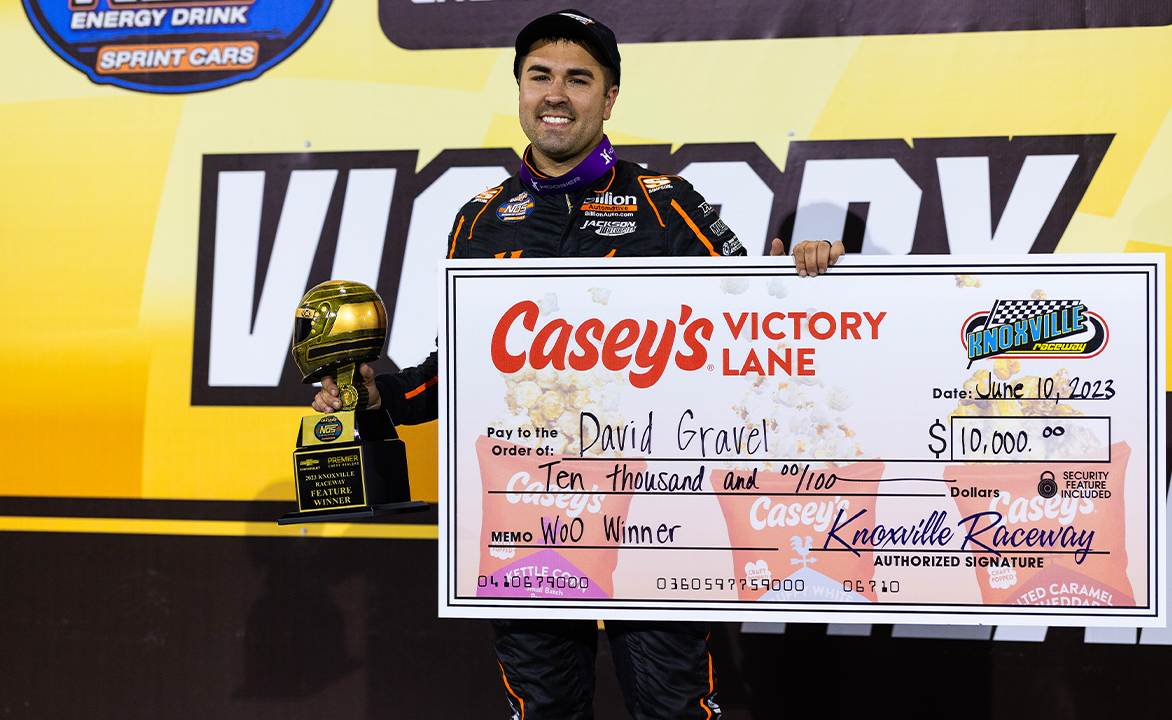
[573, 197]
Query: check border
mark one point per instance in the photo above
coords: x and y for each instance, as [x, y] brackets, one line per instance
[1150, 267]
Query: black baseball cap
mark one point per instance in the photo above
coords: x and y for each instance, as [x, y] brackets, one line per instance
[572, 25]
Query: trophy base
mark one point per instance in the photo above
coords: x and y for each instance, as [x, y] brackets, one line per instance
[348, 466]
[353, 514]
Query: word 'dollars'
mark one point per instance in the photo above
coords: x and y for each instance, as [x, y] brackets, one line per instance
[650, 345]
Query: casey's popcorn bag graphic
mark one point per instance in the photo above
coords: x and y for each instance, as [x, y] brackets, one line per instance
[538, 503]
[1041, 533]
[793, 516]
[1041, 539]
[532, 512]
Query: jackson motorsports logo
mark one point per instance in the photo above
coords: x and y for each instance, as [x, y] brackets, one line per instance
[174, 47]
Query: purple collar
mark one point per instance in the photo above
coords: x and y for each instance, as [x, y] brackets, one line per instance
[594, 166]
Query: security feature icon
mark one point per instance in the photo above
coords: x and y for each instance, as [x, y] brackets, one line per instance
[1047, 487]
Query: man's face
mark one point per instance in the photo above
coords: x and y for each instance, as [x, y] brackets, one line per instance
[563, 100]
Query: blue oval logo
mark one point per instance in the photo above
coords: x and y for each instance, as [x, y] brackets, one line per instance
[517, 208]
[328, 428]
[177, 46]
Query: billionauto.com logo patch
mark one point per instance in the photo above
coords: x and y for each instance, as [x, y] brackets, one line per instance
[1035, 328]
[167, 46]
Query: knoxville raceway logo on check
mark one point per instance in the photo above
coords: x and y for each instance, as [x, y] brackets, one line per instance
[169, 46]
[1034, 328]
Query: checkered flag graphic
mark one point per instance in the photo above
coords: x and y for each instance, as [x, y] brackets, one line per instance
[1009, 311]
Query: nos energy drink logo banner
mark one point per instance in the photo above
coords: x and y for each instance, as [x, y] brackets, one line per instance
[174, 47]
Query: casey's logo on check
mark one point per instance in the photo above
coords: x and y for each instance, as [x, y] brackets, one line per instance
[652, 351]
[581, 347]
[1034, 328]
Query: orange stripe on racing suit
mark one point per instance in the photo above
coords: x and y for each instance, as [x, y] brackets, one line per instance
[454, 236]
[648, 196]
[421, 388]
[486, 202]
[695, 229]
[510, 689]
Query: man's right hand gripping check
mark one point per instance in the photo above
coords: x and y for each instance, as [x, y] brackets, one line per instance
[327, 399]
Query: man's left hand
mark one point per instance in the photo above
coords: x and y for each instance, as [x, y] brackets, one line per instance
[327, 400]
[812, 257]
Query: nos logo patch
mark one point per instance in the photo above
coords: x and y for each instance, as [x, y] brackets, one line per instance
[176, 47]
[328, 428]
[517, 208]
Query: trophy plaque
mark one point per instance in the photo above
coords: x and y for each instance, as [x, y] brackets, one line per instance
[349, 465]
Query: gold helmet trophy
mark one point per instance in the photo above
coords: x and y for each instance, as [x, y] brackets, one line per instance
[349, 464]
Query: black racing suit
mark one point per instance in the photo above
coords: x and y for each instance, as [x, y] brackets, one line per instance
[664, 669]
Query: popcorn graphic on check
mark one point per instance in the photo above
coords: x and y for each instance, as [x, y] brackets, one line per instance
[758, 571]
[1002, 577]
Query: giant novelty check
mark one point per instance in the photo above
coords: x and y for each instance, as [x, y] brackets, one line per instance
[913, 439]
